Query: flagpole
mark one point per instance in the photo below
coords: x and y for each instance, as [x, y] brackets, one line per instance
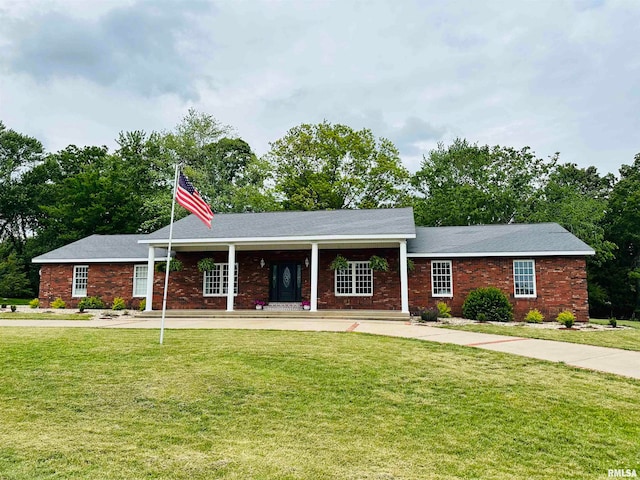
[166, 273]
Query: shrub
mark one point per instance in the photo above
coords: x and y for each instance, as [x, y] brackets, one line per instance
[489, 301]
[613, 322]
[35, 303]
[91, 302]
[4, 305]
[118, 304]
[142, 305]
[482, 317]
[444, 310]
[534, 316]
[429, 315]
[13, 308]
[566, 318]
[58, 303]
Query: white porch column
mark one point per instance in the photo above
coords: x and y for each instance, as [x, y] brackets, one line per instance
[231, 277]
[314, 277]
[150, 271]
[404, 279]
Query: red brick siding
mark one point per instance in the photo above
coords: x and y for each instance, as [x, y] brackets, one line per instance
[105, 280]
[561, 283]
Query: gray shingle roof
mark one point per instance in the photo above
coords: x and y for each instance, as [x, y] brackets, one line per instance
[396, 222]
[484, 240]
[101, 248]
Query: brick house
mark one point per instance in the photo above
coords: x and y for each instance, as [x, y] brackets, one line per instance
[284, 258]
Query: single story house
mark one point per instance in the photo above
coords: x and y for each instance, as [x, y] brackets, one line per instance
[285, 258]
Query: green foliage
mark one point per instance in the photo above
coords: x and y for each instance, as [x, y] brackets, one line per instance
[482, 317]
[35, 303]
[411, 266]
[13, 280]
[567, 318]
[58, 303]
[491, 302]
[327, 166]
[118, 304]
[142, 305]
[13, 308]
[175, 265]
[613, 322]
[534, 316]
[339, 263]
[206, 265]
[87, 303]
[465, 184]
[444, 310]
[378, 264]
[429, 315]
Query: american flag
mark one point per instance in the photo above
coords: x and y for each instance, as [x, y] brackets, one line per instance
[189, 198]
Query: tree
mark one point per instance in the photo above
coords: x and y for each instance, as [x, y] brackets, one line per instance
[466, 184]
[622, 225]
[13, 279]
[326, 166]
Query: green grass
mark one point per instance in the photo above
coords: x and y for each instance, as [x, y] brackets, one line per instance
[44, 316]
[85, 403]
[15, 301]
[626, 339]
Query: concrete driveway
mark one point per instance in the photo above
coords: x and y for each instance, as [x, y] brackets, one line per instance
[610, 360]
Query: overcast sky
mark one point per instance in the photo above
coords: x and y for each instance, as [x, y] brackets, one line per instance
[558, 76]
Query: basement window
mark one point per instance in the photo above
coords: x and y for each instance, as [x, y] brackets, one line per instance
[441, 278]
[80, 280]
[215, 281]
[355, 281]
[524, 278]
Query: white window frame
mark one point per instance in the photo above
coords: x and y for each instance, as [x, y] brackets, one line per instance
[354, 280]
[440, 276]
[223, 280]
[79, 292]
[532, 276]
[137, 276]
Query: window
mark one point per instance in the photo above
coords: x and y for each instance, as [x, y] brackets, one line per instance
[80, 279]
[140, 280]
[357, 280]
[215, 281]
[441, 282]
[524, 278]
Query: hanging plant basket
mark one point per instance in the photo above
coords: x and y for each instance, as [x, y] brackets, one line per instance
[174, 266]
[378, 264]
[411, 266]
[206, 265]
[339, 263]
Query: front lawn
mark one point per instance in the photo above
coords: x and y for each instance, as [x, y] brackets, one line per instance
[14, 301]
[44, 316]
[85, 403]
[627, 339]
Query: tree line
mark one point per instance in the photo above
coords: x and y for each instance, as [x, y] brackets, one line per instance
[50, 199]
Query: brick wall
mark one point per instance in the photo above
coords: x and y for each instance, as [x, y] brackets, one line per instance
[561, 283]
[105, 280]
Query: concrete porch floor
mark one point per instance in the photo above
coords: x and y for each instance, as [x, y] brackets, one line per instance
[274, 314]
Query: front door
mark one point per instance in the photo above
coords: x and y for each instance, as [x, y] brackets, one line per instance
[286, 282]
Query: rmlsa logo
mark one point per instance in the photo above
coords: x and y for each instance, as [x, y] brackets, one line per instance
[623, 472]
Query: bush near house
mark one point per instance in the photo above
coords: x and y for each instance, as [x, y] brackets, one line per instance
[118, 304]
[534, 316]
[491, 302]
[444, 310]
[58, 303]
[91, 303]
[567, 318]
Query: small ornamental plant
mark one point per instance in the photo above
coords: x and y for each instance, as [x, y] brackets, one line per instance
[339, 263]
[411, 265]
[142, 305]
[13, 308]
[567, 318]
[534, 316]
[259, 303]
[58, 303]
[118, 304]
[35, 303]
[305, 303]
[429, 315]
[206, 265]
[444, 310]
[378, 264]
[91, 302]
[613, 322]
[175, 265]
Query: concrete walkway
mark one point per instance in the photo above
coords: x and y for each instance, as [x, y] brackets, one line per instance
[610, 360]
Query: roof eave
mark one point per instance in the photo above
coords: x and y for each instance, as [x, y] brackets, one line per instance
[271, 240]
[555, 253]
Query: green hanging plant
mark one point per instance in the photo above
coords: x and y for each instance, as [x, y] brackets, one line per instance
[339, 263]
[411, 266]
[175, 265]
[378, 264]
[206, 265]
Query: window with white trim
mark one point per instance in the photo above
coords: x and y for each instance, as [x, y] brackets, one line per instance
[524, 278]
[80, 280]
[140, 273]
[441, 278]
[215, 281]
[355, 281]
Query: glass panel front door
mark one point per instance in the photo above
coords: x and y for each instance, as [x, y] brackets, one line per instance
[286, 282]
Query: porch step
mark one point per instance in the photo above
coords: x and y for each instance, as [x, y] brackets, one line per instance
[283, 307]
[293, 314]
